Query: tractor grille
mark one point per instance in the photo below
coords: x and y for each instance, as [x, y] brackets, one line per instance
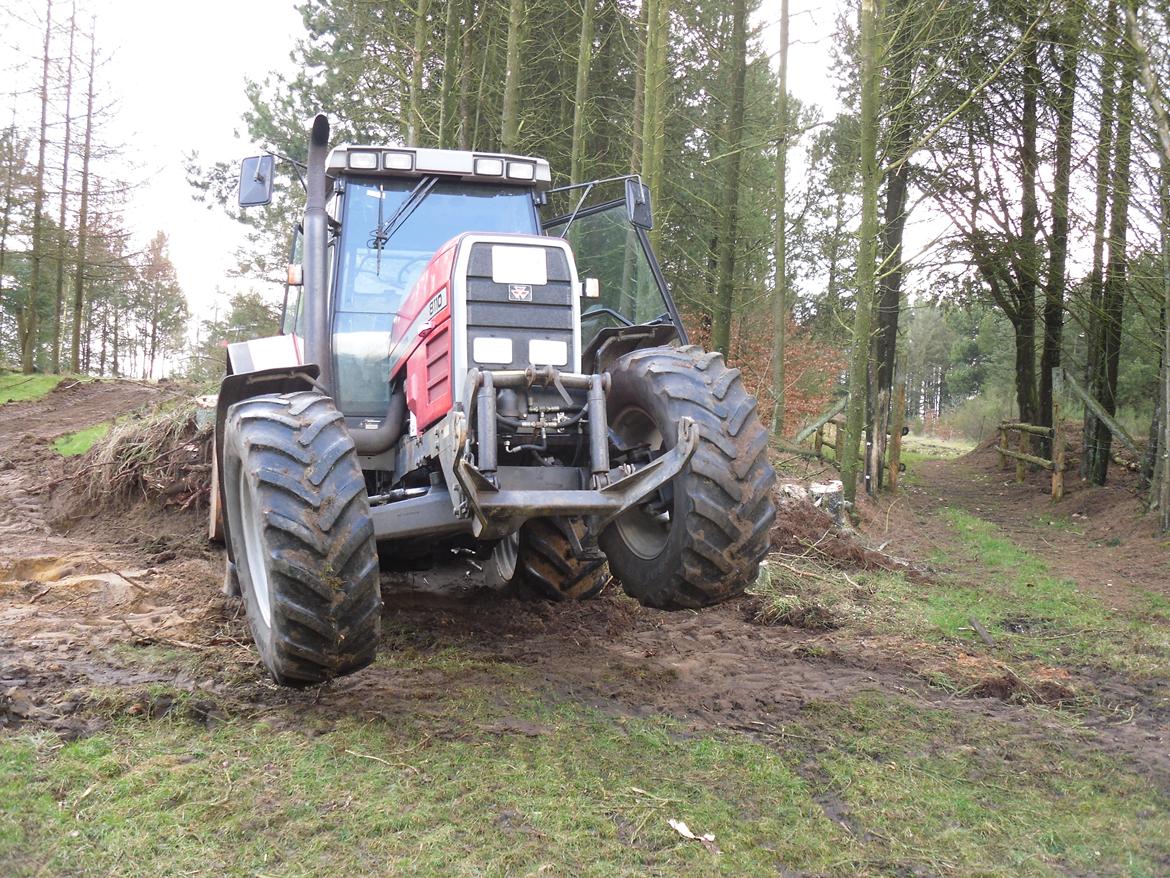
[540, 313]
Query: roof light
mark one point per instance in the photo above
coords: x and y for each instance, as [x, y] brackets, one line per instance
[398, 161]
[489, 167]
[521, 171]
[363, 161]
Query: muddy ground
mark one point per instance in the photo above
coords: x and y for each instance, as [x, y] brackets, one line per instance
[97, 607]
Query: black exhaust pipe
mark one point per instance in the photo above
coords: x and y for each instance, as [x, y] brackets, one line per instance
[318, 336]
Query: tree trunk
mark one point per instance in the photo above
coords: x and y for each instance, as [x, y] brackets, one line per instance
[447, 122]
[83, 219]
[62, 238]
[725, 290]
[1028, 275]
[1161, 489]
[639, 92]
[510, 127]
[1113, 300]
[414, 118]
[780, 291]
[654, 101]
[466, 66]
[1104, 164]
[1065, 105]
[581, 96]
[29, 323]
[866, 249]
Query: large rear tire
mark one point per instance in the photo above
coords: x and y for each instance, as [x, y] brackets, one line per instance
[699, 540]
[540, 562]
[301, 535]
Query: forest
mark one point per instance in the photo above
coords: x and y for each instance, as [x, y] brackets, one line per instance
[987, 205]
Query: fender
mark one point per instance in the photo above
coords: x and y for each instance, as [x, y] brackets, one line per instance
[282, 379]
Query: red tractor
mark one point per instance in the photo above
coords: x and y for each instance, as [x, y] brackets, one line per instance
[459, 368]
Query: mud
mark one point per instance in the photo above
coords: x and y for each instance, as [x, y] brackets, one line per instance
[95, 620]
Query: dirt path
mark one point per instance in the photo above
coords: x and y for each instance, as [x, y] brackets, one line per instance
[1096, 537]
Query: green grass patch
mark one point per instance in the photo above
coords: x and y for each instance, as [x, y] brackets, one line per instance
[1033, 615]
[876, 786]
[15, 387]
[74, 444]
[945, 794]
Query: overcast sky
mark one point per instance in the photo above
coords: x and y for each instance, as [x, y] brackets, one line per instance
[177, 73]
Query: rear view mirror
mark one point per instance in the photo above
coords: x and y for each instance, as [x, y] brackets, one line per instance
[256, 180]
[638, 204]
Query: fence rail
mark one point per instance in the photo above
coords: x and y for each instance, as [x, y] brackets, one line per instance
[1021, 453]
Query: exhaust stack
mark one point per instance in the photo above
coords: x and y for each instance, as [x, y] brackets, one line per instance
[318, 336]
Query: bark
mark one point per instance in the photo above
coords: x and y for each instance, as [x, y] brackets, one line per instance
[414, 119]
[1113, 299]
[1067, 55]
[866, 250]
[780, 292]
[725, 290]
[581, 95]
[510, 123]
[83, 219]
[29, 319]
[62, 238]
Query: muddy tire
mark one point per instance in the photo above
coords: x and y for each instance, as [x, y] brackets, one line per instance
[700, 540]
[539, 563]
[301, 536]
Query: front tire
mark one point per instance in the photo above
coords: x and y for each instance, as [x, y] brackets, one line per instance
[301, 537]
[699, 540]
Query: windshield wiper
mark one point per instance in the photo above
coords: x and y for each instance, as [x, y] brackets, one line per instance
[381, 236]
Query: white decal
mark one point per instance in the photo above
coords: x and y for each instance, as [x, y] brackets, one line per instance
[519, 265]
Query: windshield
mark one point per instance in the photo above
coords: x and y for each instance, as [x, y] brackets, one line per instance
[608, 248]
[372, 280]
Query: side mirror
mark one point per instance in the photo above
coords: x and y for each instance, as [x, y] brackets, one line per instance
[256, 174]
[638, 204]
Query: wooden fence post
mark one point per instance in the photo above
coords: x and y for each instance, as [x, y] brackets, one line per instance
[1057, 454]
[1023, 446]
[819, 442]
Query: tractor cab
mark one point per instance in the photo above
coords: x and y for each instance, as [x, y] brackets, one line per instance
[392, 210]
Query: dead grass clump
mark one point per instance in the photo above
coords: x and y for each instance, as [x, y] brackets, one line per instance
[165, 456]
[798, 592]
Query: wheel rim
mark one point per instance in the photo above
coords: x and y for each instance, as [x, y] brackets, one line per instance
[254, 549]
[506, 555]
[644, 528]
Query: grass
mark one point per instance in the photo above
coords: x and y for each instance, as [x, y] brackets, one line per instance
[875, 786]
[1039, 622]
[74, 444]
[15, 387]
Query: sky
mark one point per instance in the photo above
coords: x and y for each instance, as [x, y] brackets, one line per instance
[176, 72]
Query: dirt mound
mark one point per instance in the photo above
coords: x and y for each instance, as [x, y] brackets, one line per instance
[74, 405]
[163, 457]
[805, 530]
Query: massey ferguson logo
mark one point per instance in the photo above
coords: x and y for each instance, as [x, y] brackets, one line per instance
[520, 292]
